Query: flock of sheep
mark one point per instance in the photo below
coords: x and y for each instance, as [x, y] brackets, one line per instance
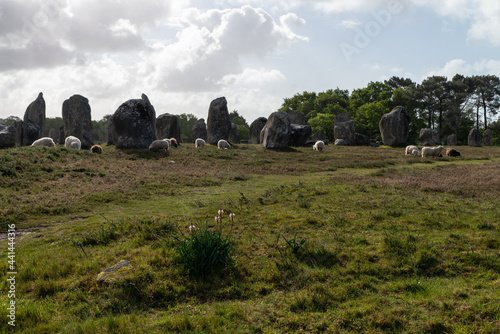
[165, 144]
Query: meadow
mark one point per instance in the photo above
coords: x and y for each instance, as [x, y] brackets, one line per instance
[347, 240]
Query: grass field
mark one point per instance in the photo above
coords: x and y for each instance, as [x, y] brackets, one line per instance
[348, 240]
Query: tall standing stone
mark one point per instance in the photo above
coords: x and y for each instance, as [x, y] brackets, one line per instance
[297, 117]
[234, 136]
[428, 137]
[133, 124]
[276, 133]
[452, 140]
[78, 120]
[395, 127]
[168, 126]
[488, 138]
[7, 136]
[34, 121]
[255, 129]
[218, 122]
[344, 129]
[475, 138]
[199, 130]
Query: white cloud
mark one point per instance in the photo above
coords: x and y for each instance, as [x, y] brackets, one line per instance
[460, 66]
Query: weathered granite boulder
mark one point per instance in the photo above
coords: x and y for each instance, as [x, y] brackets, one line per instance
[299, 134]
[54, 135]
[133, 124]
[276, 133]
[34, 121]
[342, 142]
[364, 140]
[428, 137]
[452, 140]
[234, 136]
[78, 120]
[488, 138]
[344, 129]
[475, 138]
[199, 130]
[168, 126]
[218, 122]
[118, 272]
[7, 136]
[297, 117]
[318, 135]
[395, 127]
[255, 129]
[62, 137]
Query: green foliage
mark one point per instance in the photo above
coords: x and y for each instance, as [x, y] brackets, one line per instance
[242, 126]
[205, 252]
[323, 122]
[186, 122]
[294, 244]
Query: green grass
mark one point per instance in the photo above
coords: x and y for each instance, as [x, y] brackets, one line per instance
[351, 239]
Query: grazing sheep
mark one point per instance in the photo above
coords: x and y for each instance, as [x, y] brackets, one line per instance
[173, 142]
[319, 145]
[199, 143]
[451, 152]
[223, 144]
[73, 142]
[432, 151]
[412, 150]
[160, 145]
[44, 141]
[96, 149]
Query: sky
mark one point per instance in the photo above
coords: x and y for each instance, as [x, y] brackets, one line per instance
[185, 53]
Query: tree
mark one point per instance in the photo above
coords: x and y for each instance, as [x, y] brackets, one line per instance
[186, 122]
[241, 125]
[325, 123]
[304, 102]
[486, 92]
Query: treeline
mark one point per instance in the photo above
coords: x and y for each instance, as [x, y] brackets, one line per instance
[450, 106]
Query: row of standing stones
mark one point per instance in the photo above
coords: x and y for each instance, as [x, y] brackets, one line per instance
[135, 125]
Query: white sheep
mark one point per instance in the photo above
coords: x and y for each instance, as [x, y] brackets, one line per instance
[319, 145]
[73, 142]
[160, 145]
[412, 150]
[223, 144]
[432, 151]
[44, 141]
[199, 143]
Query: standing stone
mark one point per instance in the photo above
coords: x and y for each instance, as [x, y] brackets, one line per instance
[395, 127]
[133, 124]
[34, 121]
[218, 122]
[78, 120]
[428, 137]
[452, 140]
[474, 138]
[62, 137]
[318, 135]
[255, 129]
[54, 135]
[297, 117]
[344, 129]
[299, 134]
[234, 136]
[199, 130]
[109, 132]
[488, 138]
[7, 136]
[168, 126]
[276, 132]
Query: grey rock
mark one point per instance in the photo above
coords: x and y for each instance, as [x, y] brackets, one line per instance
[54, 135]
[452, 140]
[363, 140]
[77, 120]
[199, 130]
[475, 138]
[299, 134]
[34, 121]
[218, 122]
[297, 117]
[168, 126]
[118, 272]
[428, 137]
[133, 124]
[395, 127]
[318, 135]
[276, 133]
[342, 142]
[7, 136]
[255, 129]
[344, 128]
[488, 138]
[62, 137]
[234, 136]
